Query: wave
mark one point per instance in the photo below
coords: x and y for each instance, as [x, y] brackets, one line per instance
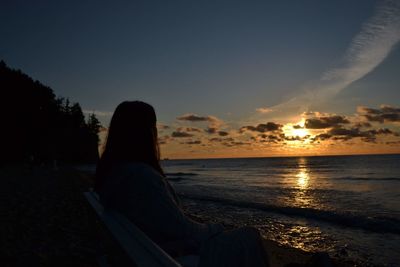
[369, 178]
[374, 224]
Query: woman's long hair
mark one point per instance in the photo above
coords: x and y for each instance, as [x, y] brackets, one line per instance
[132, 137]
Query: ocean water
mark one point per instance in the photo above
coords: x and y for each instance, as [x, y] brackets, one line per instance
[346, 205]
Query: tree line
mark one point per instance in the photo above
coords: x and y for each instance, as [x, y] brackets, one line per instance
[37, 125]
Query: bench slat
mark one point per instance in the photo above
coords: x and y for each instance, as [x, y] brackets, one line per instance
[141, 250]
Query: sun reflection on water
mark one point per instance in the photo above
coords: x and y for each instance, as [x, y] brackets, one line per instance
[303, 179]
[302, 175]
[302, 197]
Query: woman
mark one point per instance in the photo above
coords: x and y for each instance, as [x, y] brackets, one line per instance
[129, 179]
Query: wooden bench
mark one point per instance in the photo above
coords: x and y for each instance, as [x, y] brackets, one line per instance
[142, 251]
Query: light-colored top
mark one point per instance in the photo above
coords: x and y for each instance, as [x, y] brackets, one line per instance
[147, 199]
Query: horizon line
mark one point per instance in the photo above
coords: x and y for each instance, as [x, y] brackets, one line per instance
[287, 156]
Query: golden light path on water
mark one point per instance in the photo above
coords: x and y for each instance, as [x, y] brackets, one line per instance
[302, 235]
[302, 179]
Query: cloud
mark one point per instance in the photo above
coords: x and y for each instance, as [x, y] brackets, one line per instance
[214, 130]
[211, 130]
[336, 130]
[369, 47]
[271, 138]
[383, 131]
[298, 127]
[296, 138]
[389, 109]
[179, 134]
[228, 141]
[393, 143]
[341, 133]
[264, 110]
[347, 133]
[384, 114]
[193, 117]
[195, 142]
[186, 131]
[325, 128]
[223, 133]
[323, 136]
[161, 126]
[366, 51]
[213, 122]
[235, 143]
[324, 122]
[363, 109]
[363, 124]
[267, 127]
[218, 139]
[189, 129]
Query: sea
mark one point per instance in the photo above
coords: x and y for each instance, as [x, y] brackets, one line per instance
[348, 206]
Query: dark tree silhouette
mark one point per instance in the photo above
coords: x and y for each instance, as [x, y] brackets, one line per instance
[94, 125]
[37, 124]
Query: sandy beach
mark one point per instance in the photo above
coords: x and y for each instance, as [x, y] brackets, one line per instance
[47, 222]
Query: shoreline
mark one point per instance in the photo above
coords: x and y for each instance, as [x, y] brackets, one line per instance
[280, 254]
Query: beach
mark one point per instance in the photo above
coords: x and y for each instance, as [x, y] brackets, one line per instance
[347, 206]
[47, 221]
[44, 220]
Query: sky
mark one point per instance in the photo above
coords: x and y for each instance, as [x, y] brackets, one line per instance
[227, 78]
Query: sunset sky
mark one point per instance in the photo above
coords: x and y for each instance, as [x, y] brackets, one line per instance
[227, 78]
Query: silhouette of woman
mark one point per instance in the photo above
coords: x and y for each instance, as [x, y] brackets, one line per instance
[129, 179]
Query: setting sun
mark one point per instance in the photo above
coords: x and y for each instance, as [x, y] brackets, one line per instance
[297, 129]
[300, 132]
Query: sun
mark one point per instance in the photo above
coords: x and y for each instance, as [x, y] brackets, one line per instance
[299, 132]
[296, 129]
